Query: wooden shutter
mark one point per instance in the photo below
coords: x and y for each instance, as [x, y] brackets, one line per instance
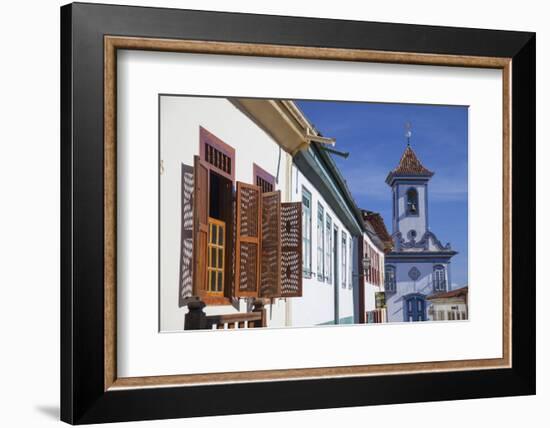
[187, 226]
[291, 249]
[200, 222]
[270, 261]
[247, 263]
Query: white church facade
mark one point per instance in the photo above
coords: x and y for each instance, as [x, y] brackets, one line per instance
[419, 265]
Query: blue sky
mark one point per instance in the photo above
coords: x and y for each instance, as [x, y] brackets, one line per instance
[374, 134]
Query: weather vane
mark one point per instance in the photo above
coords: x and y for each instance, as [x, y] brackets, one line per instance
[408, 132]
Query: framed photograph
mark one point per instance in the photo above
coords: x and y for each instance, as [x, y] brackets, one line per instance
[267, 213]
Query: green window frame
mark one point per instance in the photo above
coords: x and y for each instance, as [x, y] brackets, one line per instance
[320, 242]
[306, 232]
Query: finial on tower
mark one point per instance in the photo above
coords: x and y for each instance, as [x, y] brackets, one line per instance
[408, 132]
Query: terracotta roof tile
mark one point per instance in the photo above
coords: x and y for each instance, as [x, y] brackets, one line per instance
[377, 222]
[409, 165]
[459, 292]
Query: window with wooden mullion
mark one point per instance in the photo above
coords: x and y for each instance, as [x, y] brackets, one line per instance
[216, 259]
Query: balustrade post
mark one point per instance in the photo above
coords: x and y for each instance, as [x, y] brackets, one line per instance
[259, 307]
[195, 319]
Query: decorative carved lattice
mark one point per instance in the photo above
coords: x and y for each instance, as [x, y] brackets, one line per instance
[247, 265]
[270, 245]
[200, 226]
[291, 249]
[186, 244]
[249, 205]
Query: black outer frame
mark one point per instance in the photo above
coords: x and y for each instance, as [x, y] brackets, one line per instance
[83, 399]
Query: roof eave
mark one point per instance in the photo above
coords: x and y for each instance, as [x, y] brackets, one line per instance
[392, 176]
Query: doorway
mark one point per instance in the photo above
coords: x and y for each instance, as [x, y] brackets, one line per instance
[415, 308]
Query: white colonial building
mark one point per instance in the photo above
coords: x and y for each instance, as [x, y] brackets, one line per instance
[373, 246]
[331, 225]
[449, 305]
[218, 158]
[255, 218]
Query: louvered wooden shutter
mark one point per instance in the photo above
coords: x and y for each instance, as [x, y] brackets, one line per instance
[200, 222]
[270, 263]
[187, 226]
[291, 249]
[247, 263]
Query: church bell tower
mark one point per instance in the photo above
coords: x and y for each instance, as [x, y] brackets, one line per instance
[409, 183]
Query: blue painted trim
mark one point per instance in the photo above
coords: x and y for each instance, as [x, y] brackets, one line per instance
[412, 182]
[427, 259]
[393, 287]
[426, 223]
[436, 267]
[347, 320]
[409, 179]
[394, 211]
[398, 214]
[449, 280]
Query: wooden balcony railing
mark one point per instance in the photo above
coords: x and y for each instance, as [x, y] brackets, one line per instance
[196, 319]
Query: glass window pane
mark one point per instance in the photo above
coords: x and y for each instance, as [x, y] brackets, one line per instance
[220, 258]
[214, 259]
[213, 237]
[220, 281]
[212, 280]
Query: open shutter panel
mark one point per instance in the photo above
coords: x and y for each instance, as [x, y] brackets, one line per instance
[187, 225]
[200, 222]
[247, 263]
[270, 261]
[291, 249]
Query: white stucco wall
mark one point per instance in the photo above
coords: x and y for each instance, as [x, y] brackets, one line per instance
[317, 306]
[180, 119]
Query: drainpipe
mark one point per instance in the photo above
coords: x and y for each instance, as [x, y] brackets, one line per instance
[361, 285]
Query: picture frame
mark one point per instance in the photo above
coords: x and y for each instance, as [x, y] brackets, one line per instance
[91, 391]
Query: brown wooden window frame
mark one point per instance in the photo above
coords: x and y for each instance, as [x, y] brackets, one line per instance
[263, 179]
[207, 138]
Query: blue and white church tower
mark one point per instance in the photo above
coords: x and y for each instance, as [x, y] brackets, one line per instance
[418, 265]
